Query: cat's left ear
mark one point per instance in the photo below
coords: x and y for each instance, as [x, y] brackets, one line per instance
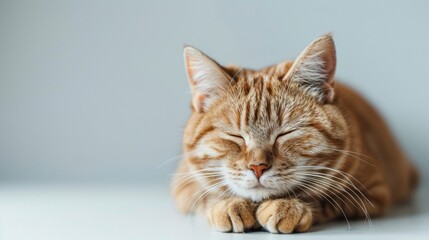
[314, 69]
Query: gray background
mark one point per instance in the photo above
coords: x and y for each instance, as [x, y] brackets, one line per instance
[95, 91]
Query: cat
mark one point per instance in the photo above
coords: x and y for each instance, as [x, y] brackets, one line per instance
[285, 147]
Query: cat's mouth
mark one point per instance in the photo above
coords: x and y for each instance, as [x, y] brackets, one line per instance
[259, 186]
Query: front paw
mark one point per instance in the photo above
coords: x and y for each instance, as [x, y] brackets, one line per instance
[236, 215]
[284, 216]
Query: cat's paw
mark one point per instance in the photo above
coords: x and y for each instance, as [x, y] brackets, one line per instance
[284, 216]
[236, 215]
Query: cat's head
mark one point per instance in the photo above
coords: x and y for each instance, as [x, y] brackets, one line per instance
[260, 134]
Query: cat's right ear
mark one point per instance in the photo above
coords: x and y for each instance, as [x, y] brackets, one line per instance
[206, 77]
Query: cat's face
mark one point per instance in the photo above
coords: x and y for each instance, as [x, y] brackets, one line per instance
[259, 134]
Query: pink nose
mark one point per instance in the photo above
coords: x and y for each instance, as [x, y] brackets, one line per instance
[259, 169]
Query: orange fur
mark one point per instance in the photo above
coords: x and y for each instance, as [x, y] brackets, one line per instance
[326, 151]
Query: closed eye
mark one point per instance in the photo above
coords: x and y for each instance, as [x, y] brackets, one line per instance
[285, 133]
[235, 136]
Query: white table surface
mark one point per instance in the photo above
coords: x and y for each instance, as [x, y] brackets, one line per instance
[63, 212]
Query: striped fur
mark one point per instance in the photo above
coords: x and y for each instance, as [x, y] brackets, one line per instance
[329, 155]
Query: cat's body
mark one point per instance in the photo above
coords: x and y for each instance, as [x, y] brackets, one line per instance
[284, 148]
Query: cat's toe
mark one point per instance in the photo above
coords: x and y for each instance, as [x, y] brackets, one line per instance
[232, 215]
[284, 216]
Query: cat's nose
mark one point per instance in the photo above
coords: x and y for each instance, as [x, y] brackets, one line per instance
[259, 169]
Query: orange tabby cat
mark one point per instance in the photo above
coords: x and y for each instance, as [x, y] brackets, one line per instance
[284, 148]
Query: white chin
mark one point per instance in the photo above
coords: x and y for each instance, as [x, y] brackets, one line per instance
[255, 194]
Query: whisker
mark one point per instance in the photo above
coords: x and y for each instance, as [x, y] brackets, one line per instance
[341, 190]
[207, 191]
[327, 185]
[353, 154]
[326, 196]
[344, 174]
[178, 157]
[329, 180]
[182, 179]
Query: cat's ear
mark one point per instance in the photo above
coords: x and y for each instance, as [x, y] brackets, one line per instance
[314, 69]
[206, 77]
